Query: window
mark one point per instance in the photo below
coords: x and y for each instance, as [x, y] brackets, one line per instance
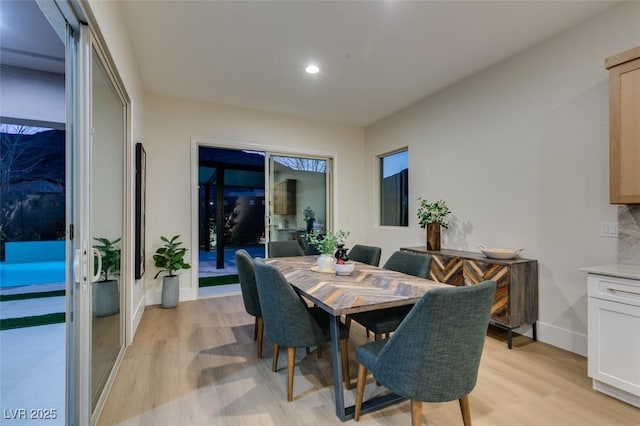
[394, 189]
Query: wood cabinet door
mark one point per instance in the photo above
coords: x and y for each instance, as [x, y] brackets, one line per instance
[476, 271]
[446, 269]
[624, 132]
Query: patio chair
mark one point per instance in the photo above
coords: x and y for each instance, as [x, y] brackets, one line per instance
[432, 356]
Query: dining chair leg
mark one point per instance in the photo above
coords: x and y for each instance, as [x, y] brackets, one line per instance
[362, 376]
[260, 331]
[344, 352]
[255, 328]
[416, 412]
[276, 352]
[291, 362]
[377, 336]
[347, 322]
[466, 411]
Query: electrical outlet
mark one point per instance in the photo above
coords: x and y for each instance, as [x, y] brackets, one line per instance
[609, 229]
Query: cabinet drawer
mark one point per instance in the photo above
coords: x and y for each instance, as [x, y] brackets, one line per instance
[614, 289]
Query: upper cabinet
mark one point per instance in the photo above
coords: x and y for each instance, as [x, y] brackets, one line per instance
[285, 197]
[624, 127]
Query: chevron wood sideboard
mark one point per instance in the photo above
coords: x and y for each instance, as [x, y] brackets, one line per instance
[516, 301]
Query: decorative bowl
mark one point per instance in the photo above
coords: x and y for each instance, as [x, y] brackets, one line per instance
[500, 253]
[344, 268]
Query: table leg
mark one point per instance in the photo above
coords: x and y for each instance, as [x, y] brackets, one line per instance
[346, 413]
[337, 369]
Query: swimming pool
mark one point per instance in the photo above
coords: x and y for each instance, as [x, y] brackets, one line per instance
[32, 263]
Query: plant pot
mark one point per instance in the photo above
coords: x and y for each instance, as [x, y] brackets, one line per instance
[170, 291]
[433, 236]
[325, 263]
[106, 298]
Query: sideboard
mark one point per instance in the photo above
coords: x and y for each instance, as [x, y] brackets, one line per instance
[516, 299]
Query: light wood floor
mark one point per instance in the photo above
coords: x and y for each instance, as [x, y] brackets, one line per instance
[196, 365]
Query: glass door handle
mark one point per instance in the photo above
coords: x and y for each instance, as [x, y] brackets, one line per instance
[98, 256]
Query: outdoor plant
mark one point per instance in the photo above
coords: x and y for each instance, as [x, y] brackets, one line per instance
[170, 257]
[110, 258]
[327, 243]
[309, 214]
[435, 212]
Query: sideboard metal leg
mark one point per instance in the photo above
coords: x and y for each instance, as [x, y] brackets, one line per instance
[509, 338]
[534, 331]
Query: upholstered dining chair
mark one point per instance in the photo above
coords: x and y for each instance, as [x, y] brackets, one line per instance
[246, 274]
[285, 248]
[385, 321]
[290, 323]
[434, 355]
[365, 254]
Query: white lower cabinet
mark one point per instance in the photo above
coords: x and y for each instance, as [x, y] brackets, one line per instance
[614, 336]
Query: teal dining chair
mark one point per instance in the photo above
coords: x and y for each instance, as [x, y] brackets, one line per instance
[384, 321]
[285, 248]
[433, 356]
[247, 277]
[365, 254]
[291, 324]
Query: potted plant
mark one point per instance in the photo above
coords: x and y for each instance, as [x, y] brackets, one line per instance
[326, 244]
[106, 293]
[433, 216]
[170, 259]
[309, 218]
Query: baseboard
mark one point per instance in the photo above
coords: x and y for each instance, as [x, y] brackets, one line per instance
[154, 297]
[562, 338]
[137, 316]
[614, 392]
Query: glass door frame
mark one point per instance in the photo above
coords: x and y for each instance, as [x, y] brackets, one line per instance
[80, 366]
[197, 142]
[270, 188]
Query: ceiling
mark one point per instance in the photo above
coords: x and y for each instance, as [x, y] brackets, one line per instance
[27, 39]
[376, 57]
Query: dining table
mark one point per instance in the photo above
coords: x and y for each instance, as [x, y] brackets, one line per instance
[367, 288]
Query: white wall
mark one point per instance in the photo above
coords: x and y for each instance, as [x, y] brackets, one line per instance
[111, 27]
[520, 151]
[171, 123]
[32, 95]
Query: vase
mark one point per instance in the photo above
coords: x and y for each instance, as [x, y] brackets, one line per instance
[325, 263]
[341, 253]
[433, 236]
[170, 291]
[106, 298]
[309, 229]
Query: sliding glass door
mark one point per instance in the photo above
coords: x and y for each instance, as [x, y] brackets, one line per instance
[299, 196]
[97, 167]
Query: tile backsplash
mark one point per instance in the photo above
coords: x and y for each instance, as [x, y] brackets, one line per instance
[629, 234]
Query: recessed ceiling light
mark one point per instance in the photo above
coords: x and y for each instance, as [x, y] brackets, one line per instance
[312, 69]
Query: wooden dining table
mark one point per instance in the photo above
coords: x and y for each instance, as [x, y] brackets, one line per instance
[368, 288]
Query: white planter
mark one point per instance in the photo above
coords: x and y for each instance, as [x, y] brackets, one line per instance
[106, 298]
[325, 263]
[170, 291]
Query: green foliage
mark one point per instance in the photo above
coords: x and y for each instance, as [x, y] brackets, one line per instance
[436, 212]
[309, 214]
[170, 257]
[110, 258]
[327, 243]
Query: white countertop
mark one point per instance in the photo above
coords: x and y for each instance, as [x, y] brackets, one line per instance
[615, 270]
